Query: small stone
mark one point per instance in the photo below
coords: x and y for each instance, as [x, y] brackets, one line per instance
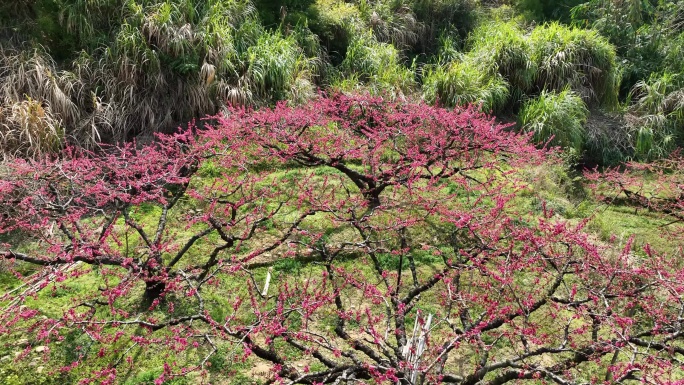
[40, 349]
[5, 358]
[22, 342]
[40, 369]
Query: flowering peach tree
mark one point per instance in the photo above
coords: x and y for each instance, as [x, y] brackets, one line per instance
[419, 266]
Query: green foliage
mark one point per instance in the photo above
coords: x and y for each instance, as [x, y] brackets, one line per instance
[288, 265]
[464, 82]
[674, 57]
[505, 65]
[580, 59]
[149, 377]
[334, 22]
[657, 116]
[504, 49]
[29, 128]
[209, 169]
[275, 63]
[275, 12]
[608, 139]
[649, 43]
[111, 71]
[392, 21]
[144, 67]
[376, 64]
[439, 16]
[546, 10]
[556, 118]
[626, 25]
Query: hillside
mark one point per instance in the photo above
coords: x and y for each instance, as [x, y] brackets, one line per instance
[393, 192]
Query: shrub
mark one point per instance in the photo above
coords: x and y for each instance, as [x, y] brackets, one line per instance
[638, 29]
[438, 16]
[556, 118]
[28, 128]
[376, 64]
[334, 22]
[576, 58]
[276, 65]
[546, 10]
[463, 82]
[656, 116]
[505, 65]
[608, 139]
[392, 21]
[149, 66]
[504, 48]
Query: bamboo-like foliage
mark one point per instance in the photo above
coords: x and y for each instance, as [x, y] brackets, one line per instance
[608, 139]
[376, 64]
[29, 128]
[578, 58]
[438, 16]
[557, 119]
[150, 66]
[392, 21]
[505, 65]
[504, 49]
[656, 116]
[464, 82]
[38, 101]
[276, 65]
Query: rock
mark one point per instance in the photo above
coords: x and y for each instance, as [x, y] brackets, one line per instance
[5, 358]
[22, 342]
[40, 369]
[40, 349]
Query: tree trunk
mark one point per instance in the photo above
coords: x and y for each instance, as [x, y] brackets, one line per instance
[153, 290]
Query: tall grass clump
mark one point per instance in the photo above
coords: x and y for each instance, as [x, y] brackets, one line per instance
[38, 101]
[29, 129]
[334, 22]
[580, 59]
[378, 65]
[392, 21]
[546, 10]
[638, 29]
[503, 48]
[608, 139]
[556, 118]
[151, 66]
[277, 64]
[464, 82]
[656, 115]
[437, 16]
